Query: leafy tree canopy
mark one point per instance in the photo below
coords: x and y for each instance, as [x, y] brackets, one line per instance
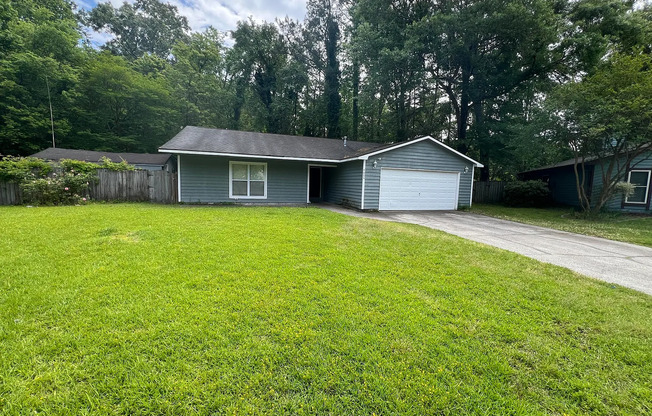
[145, 27]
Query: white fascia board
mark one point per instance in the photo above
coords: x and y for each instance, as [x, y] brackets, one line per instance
[368, 155]
[471, 197]
[364, 174]
[179, 178]
[193, 152]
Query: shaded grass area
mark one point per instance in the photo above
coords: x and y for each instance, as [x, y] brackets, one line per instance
[635, 229]
[148, 309]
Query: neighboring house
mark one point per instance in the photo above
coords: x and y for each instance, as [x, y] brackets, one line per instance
[218, 166]
[147, 161]
[561, 181]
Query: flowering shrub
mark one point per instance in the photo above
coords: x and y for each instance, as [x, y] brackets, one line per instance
[65, 188]
[18, 169]
[47, 183]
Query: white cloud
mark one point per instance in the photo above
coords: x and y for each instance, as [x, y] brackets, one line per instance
[224, 15]
[221, 14]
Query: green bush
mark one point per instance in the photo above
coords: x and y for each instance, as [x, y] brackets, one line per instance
[527, 194]
[106, 163]
[47, 183]
[65, 188]
[70, 165]
[18, 169]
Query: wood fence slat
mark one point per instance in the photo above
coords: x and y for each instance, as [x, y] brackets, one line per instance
[488, 192]
[10, 193]
[138, 186]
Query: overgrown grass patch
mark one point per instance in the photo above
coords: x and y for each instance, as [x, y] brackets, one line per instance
[150, 309]
[630, 228]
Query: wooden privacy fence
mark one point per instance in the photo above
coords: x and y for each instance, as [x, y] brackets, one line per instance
[10, 193]
[139, 185]
[488, 192]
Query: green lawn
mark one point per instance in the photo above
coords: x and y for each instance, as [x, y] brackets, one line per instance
[635, 229]
[136, 309]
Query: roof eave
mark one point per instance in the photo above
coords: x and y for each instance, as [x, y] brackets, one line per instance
[195, 152]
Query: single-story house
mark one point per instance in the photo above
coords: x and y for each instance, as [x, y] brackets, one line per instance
[146, 161]
[561, 181]
[222, 166]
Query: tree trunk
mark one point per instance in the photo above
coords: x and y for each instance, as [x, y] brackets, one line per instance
[238, 104]
[332, 79]
[355, 117]
[381, 107]
[463, 117]
[585, 203]
[401, 125]
[481, 139]
[609, 179]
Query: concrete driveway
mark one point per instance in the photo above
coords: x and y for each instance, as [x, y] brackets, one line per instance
[612, 261]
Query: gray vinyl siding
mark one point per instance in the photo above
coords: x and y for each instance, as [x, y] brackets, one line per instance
[563, 186]
[205, 179]
[423, 155]
[343, 184]
[616, 203]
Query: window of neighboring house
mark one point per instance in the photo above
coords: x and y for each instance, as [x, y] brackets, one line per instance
[641, 181]
[247, 180]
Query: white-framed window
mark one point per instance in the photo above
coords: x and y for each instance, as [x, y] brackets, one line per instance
[641, 181]
[247, 180]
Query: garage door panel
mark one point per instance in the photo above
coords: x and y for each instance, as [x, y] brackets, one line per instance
[418, 190]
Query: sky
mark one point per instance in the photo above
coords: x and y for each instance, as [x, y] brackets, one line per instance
[221, 14]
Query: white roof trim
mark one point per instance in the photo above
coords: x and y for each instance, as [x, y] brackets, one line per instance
[193, 152]
[368, 155]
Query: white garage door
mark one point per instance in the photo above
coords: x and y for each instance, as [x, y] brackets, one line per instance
[402, 189]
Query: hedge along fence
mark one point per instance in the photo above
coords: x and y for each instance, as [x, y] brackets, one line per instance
[137, 186]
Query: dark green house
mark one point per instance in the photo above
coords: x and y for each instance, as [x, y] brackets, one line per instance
[561, 181]
[226, 166]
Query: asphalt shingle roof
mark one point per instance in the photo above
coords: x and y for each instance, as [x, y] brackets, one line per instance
[200, 139]
[58, 153]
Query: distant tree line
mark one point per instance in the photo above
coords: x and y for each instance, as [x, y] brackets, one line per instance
[491, 78]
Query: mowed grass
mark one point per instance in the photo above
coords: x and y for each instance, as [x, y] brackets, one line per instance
[142, 309]
[635, 229]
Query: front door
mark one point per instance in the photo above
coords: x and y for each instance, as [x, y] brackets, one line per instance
[314, 190]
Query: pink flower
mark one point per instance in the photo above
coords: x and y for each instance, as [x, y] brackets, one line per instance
[66, 188]
[83, 199]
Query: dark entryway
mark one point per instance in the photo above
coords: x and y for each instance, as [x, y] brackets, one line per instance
[314, 190]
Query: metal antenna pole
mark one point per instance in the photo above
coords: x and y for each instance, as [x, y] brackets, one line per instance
[51, 116]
